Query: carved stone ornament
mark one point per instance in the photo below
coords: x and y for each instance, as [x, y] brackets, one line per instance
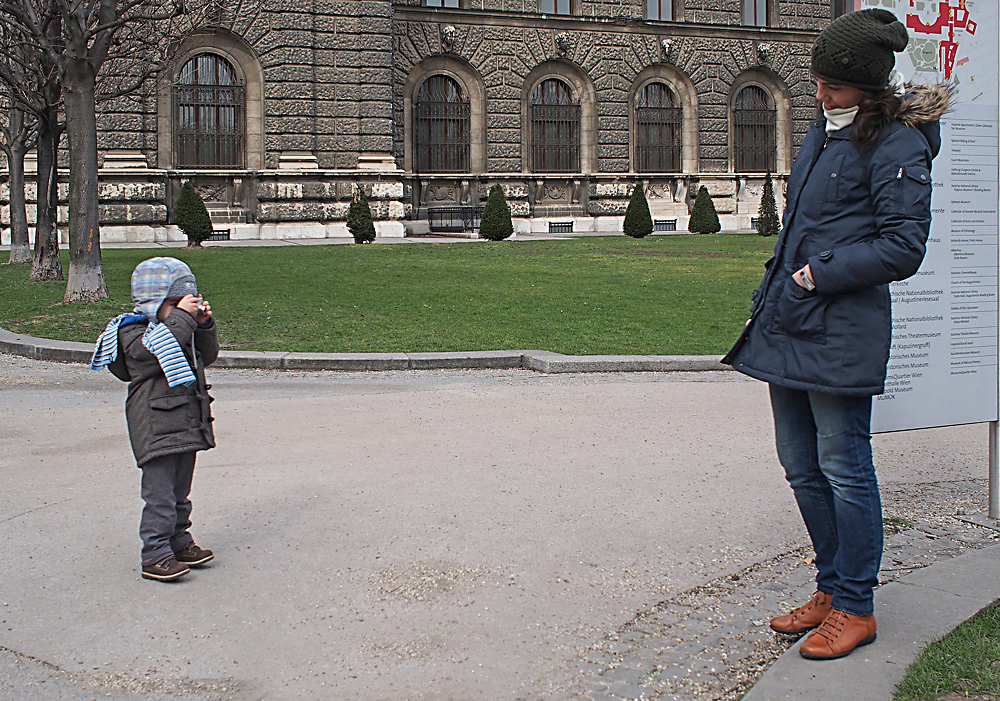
[764, 52]
[555, 192]
[666, 45]
[212, 193]
[442, 193]
[448, 36]
[563, 45]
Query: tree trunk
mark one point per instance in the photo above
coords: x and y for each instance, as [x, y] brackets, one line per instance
[46, 264]
[20, 252]
[86, 273]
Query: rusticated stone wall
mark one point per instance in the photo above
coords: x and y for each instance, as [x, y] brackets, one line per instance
[503, 58]
[326, 69]
[784, 14]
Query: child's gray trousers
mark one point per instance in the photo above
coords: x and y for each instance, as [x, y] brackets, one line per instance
[166, 517]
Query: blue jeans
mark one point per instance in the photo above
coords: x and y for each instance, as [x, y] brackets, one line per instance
[824, 444]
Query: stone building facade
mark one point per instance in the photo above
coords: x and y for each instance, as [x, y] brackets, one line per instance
[282, 108]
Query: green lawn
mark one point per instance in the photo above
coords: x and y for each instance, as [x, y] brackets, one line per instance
[965, 662]
[659, 295]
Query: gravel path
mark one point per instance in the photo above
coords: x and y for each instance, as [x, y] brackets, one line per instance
[431, 535]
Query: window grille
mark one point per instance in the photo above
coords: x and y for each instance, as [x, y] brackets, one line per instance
[755, 13]
[441, 127]
[219, 235]
[556, 7]
[555, 128]
[662, 10]
[209, 106]
[560, 227]
[443, 3]
[658, 133]
[454, 219]
[754, 130]
[665, 225]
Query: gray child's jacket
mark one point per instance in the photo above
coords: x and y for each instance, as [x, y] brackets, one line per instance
[165, 420]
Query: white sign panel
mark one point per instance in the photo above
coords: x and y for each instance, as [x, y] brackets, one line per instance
[943, 362]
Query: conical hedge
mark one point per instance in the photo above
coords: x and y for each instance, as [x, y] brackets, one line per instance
[496, 224]
[704, 218]
[191, 216]
[767, 216]
[638, 221]
[359, 218]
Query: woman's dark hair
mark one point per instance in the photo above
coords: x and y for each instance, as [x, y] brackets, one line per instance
[875, 112]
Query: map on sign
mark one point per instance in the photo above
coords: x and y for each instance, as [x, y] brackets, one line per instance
[943, 361]
[945, 43]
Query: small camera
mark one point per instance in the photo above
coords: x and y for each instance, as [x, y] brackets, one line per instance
[202, 306]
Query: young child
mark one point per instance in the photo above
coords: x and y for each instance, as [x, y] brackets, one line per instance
[161, 349]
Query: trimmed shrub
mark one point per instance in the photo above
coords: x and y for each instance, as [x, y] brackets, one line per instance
[191, 216]
[359, 219]
[638, 220]
[768, 223]
[704, 218]
[496, 224]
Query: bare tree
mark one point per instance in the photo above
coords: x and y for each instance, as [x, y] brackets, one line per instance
[132, 37]
[17, 137]
[30, 82]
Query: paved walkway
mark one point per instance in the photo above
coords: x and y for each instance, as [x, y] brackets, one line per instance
[498, 534]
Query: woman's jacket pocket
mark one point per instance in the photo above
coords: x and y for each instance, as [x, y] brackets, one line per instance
[802, 312]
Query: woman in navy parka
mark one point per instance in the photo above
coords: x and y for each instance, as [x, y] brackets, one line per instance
[857, 216]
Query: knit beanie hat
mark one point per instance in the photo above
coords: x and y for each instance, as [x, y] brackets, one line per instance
[857, 49]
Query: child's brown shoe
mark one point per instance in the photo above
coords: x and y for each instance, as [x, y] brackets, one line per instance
[166, 570]
[192, 555]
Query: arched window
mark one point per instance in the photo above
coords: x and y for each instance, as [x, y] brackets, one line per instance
[209, 108]
[659, 118]
[555, 128]
[754, 144]
[441, 127]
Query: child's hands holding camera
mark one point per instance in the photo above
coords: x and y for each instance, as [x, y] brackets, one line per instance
[197, 307]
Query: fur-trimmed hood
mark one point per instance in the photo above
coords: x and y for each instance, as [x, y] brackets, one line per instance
[925, 102]
[922, 106]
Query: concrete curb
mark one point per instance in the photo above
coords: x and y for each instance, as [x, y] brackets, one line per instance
[911, 612]
[540, 361]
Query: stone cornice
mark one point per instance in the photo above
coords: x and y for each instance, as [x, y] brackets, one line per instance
[622, 25]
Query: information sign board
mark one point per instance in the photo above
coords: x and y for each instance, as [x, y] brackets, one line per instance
[944, 356]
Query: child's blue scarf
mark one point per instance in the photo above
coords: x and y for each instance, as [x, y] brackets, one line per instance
[157, 339]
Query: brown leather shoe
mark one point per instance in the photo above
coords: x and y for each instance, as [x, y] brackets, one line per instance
[838, 635]
[805, 617]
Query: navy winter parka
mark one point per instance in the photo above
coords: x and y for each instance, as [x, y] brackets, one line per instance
[860, 220]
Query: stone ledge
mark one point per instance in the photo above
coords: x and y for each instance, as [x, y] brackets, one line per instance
[538, 360]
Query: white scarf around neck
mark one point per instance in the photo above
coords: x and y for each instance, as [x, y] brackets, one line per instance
[837, 119]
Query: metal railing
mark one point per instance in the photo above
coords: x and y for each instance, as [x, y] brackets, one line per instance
[454, 219]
